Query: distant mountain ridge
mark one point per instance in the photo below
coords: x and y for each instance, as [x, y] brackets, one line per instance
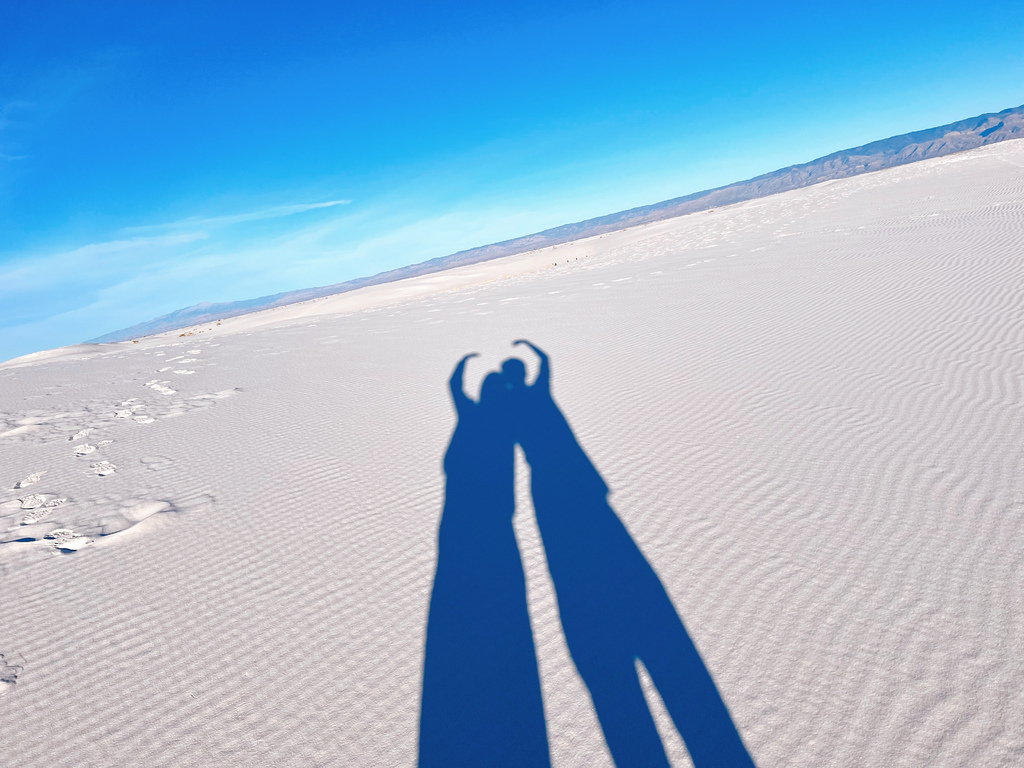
[878, 155]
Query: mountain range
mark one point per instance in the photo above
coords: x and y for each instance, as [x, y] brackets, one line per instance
[878, 155]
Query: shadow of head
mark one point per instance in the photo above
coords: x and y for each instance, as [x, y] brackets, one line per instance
[513, 371]
[493, 389]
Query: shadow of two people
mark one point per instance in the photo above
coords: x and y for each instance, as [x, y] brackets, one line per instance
[481, 699]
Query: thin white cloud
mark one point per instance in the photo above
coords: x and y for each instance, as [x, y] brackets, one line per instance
[272, 213]
[10, 108]
[276, 212]
[159, 241]
[85, 264]
[7, 120]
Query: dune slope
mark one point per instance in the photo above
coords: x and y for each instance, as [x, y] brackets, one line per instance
[217, 548]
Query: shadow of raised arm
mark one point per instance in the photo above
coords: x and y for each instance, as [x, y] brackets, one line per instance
[459, 396]
[544, 375]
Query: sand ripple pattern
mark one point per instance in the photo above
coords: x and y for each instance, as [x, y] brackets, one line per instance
[809, 410]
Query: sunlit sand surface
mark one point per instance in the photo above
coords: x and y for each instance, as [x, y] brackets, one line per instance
[218, 548]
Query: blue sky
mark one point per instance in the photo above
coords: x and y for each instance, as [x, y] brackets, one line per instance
[153, 156]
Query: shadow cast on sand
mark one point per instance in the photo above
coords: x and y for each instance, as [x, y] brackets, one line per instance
[481, 700]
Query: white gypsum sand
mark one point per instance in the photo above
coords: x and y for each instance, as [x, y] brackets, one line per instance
[808, 409]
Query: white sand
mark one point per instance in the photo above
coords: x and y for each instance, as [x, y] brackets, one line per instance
[808, 408]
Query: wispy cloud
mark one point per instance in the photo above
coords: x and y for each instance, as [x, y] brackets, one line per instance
[9, 115]
[10, 109]
[50, 91]
[275, 212]
[115, 246]
[86, 265]
[271, 213]
[87, 291]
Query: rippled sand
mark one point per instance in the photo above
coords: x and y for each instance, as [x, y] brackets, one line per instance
[808, 408]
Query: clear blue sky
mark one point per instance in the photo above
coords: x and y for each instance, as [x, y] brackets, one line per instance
[156, 155]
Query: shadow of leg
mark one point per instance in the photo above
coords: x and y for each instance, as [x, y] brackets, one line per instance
[615, 609]
[481, 697]
[481, 700]
[692, 699]
[625, 718]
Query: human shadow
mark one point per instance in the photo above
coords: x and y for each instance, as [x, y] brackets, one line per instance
[481, 701]
[613, 607]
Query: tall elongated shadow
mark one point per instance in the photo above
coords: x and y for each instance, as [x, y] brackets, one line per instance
[613, 606]
[481, 702]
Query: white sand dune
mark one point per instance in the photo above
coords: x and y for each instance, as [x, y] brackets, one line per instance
[808, 408]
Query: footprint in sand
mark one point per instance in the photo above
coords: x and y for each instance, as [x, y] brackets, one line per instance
[32, 501]
[67, 540]
[160, 386]
[217, 395]
[128, 408]
[84, 449]
[9, 671]
[144, 419]
[81, 433]
[32, 479]
[39, 513]
[184, 373]
[118, 516]
[103, 468]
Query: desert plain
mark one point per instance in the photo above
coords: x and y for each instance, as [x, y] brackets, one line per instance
[217, 544]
